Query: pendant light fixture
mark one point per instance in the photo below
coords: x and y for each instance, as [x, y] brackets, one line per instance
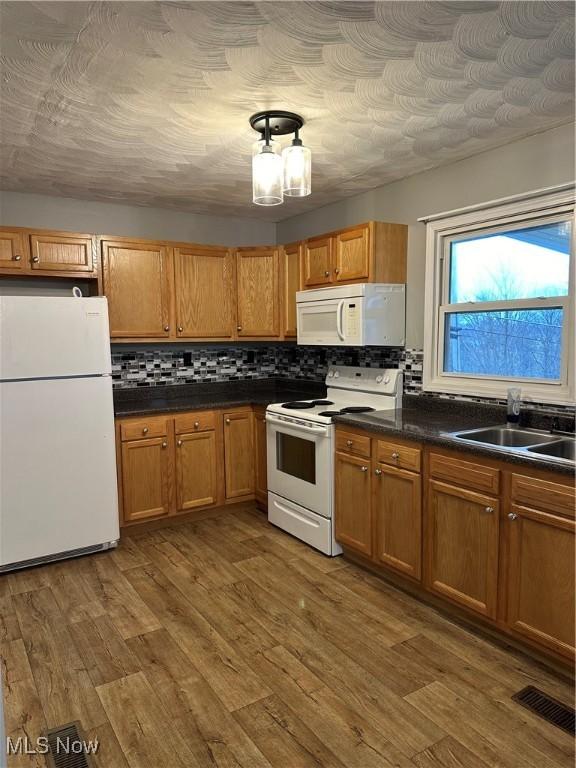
[275, 175]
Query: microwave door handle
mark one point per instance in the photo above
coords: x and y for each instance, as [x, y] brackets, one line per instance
[339, 319]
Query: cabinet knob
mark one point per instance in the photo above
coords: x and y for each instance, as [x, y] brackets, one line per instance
[164, 445]
[336, 271]
[145, 431]
[35, 259]
[196, 424]
[349, 443]
[327, 273]
[363, 469]
[512, 515]
[395, 455]
[489, 510]
[180, 329]
[17, 257]
[166, 328]
[179, 443]
[378, 472]
[238, 327]
[227, 421]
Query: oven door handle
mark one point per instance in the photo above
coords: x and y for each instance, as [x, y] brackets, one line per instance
[298, 427]
[339, 320]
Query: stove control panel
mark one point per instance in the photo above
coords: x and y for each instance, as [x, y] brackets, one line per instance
[386, 381]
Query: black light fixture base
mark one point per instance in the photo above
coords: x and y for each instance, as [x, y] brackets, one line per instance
[281, 122]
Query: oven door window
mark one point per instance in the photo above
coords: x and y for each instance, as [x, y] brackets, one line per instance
[296, 456]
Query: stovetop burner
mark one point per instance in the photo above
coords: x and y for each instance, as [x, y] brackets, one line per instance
[328, 413]
[357, 409]
[322, 402]
[297, 405]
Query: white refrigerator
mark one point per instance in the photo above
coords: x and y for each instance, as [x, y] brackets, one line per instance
[58, 492]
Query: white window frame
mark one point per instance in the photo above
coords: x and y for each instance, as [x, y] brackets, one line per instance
[555, 204]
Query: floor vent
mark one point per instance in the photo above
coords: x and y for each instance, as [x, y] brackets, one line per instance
[546, 707]
[68, 747]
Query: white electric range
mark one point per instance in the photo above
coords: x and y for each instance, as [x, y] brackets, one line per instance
[300, 445]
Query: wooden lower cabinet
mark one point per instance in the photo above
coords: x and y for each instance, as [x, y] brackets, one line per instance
[353, 478]
[261, 455]
[146, 479]
[239, 454]
[463, 544]
[397, 509]
[196, 470]
[540, 579]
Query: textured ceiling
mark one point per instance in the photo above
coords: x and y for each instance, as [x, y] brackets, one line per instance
[148, 103]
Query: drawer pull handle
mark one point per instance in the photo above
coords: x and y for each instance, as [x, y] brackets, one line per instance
[180, 329]
[363, 469]
[395, 456]
[179, 443]
[349, 443]
[489, 510]
[512, 515]
[145, 431]
[196, 424]
[35, 259]
[17, 257]
[378, 472]
[164, 445]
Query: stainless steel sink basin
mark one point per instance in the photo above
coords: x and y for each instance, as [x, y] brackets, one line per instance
[562, 449]
[505, 437]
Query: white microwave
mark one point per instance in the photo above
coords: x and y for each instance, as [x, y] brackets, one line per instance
[362, 315]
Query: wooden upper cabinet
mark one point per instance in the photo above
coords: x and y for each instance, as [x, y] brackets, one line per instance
[352, 255]
[196, 470]
[290, 285]
[462, 541]
[138, 285]
[353, 513]
[146, 478]
[258, 292]
[239, 453]
[398, 514]
[205, 305]
[317, 262]
[540, 578]
[13, 250]
[62, 252]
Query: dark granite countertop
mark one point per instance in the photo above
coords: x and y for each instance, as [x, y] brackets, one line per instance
[141, 401]
[430, 419]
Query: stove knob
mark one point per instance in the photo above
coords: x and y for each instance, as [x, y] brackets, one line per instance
[387, 380]
[336, 375]
[379, 379]
[330, 374]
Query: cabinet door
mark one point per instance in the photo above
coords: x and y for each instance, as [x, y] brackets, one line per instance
[541, 578]
[145, 479]
[353, 512]
[317, 260]
[462, 544]
[196, 474]
[261, 456]
[258, 292]
[205, 301]
[62, 253]
[291, 284]
[398, 512]
[138, 285]
[239, 453]
[13, 250]
[352, 257]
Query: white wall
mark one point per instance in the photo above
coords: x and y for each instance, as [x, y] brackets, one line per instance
[542, 160]
[19, 209]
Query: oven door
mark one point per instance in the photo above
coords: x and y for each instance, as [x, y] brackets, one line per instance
[300, 463]
[328, 322]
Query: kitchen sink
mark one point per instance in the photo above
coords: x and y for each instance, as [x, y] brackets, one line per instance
[562, 449]
[505, 437]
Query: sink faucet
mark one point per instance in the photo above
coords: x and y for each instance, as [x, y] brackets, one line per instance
[514, 405]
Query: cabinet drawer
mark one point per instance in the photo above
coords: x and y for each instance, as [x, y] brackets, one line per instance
[465, 473]
[200, 421]
[348, 442]
[134, 430]
[533, 492]
[399, 455]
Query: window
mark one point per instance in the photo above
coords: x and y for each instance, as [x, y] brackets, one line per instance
[500, 299]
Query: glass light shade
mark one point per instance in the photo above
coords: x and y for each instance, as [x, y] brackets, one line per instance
[297, 170]
[267, 177]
